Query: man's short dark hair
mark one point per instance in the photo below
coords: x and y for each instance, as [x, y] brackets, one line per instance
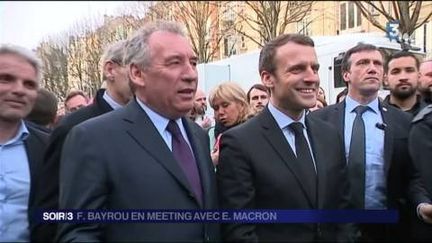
[341, 94]
[45, 108]
[268, 52]
[259, 87]
[400, 54]
[75, 93]
[360, 47]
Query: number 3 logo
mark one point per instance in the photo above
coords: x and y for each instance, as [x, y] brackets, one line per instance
[392, 30]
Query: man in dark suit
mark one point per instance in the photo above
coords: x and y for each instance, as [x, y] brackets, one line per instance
[145, 155]
[116, 95]
[381, 174]
[282, 159]
[402, 79]
[420, 148]
[44, 111]
[21, 144]
[425, 85]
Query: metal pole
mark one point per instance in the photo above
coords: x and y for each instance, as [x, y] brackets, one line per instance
[424, 37]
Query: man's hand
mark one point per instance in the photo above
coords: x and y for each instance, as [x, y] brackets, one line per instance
[215, 152]
[425, 212]
[206, 122]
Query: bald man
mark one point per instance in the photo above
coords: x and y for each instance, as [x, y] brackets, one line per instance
[201, 103]
[425, 84]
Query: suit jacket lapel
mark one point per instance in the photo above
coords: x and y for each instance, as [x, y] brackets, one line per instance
[276, 138]
[141, 129]
[203, 163]
[388, 137]
[34, 148]
[338, 118]
[319, 156]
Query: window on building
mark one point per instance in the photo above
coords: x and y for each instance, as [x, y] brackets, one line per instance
[350, 16]
[230, 45]
[229, 11]
[343, 16]
[337, 71]
[226, 48]
[359, 17]
[303, 27]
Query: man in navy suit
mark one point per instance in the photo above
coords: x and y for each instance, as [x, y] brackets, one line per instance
[21, 144]
[386, 178]
[129, 158]
[282, 159]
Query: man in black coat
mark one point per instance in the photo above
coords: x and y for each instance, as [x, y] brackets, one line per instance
[420, 147]
[386, 178]
[146, 155]
[402, 78]
[282, 159]
[21, 145]
[116, 95]
[425, 86]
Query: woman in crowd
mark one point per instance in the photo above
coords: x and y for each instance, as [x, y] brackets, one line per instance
[231, 108]
[320, 103]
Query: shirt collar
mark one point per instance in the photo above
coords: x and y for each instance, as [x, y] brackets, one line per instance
[351, 104]
[416, 106]
[111, 101]
[283, 120]
[159, 121]
[22, 134]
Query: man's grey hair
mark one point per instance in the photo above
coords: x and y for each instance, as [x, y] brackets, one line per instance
[137, 48]
[26, 54]
[115, 53]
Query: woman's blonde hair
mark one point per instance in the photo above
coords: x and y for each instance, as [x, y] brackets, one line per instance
[232, 92]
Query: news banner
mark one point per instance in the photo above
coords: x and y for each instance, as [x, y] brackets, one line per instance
[257, 216]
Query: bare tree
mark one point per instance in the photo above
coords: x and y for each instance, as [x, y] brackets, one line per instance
[85, 49]
[268, 19]
[53, 53]
[135, 13]
[199, 17]
[406, 12]
[116, 28]
[159, 10]
[201, 21]
[93, 48]
[111, 30]
[76, 55]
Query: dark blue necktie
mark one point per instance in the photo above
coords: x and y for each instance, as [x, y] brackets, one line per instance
[304, 158]
[357, 158]
[183, 155]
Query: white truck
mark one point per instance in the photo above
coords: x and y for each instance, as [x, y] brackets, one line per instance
[243, 68]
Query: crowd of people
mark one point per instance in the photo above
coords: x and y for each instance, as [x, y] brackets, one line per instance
[146, 141]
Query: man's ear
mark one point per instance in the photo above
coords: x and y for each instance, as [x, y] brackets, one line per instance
[108, 70]
[267, 79]
[136, 75]
[346, 76]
